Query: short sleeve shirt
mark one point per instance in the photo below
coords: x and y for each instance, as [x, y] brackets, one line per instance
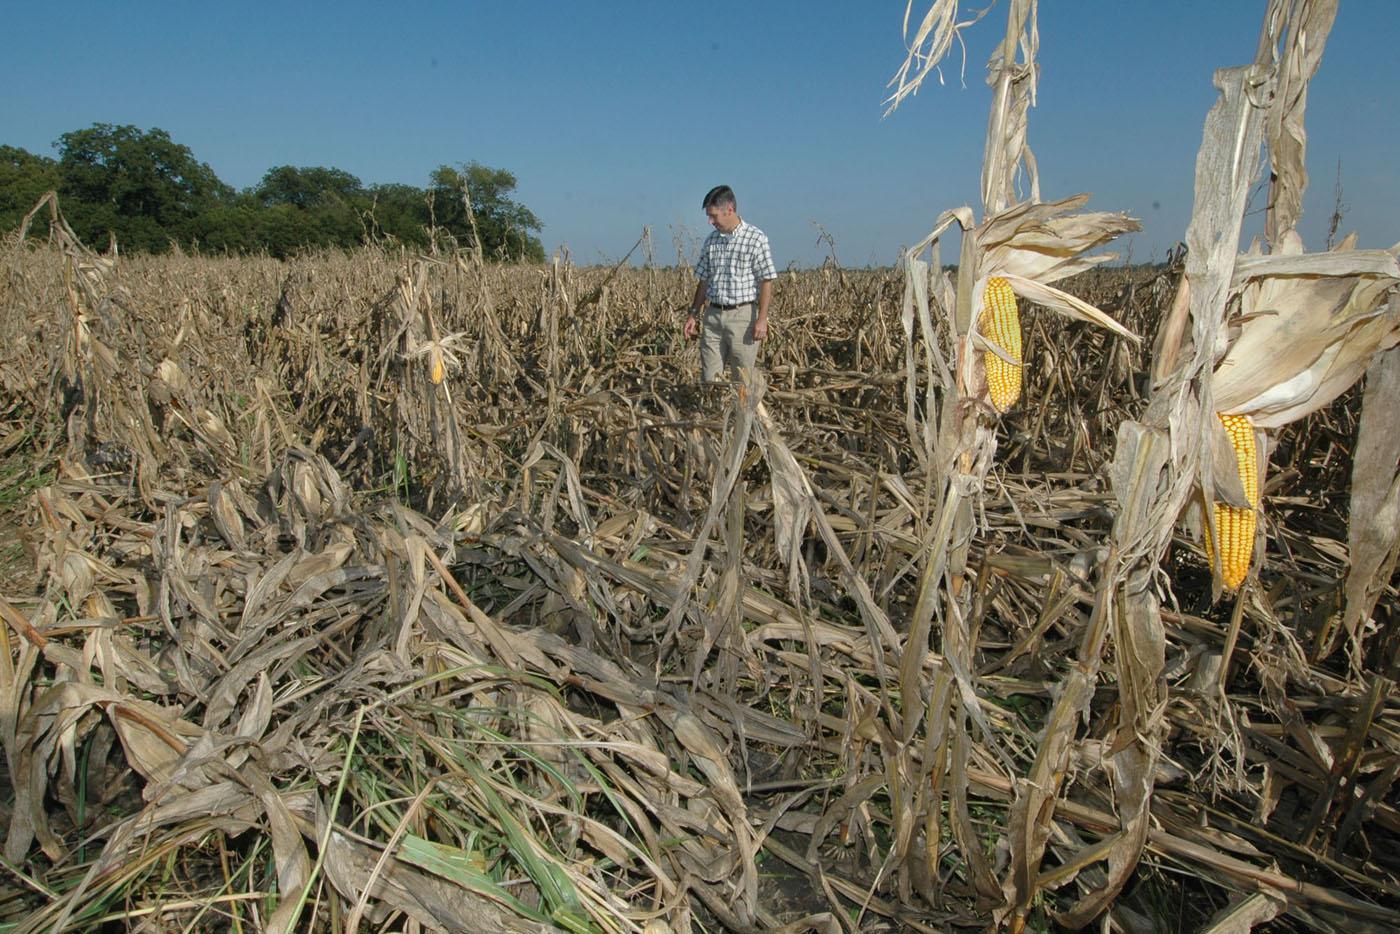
[734, 263]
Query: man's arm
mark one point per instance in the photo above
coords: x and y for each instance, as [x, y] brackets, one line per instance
[764, 272]
[692, 321]
[765, 295]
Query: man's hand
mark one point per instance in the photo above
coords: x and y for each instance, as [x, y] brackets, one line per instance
[692, 327]
[760, 329]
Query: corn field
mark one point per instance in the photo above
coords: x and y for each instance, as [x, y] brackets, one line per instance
[390, 591]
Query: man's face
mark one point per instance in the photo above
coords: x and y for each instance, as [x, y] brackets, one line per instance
[722, 217]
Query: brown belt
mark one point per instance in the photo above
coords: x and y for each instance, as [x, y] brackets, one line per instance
[729, 307]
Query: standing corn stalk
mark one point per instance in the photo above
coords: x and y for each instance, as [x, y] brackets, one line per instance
[1018, 250]
[87, 362]
[422, 341]
[1308, 326]
[1216, 372]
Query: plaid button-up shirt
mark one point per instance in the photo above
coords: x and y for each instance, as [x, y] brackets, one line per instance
[732, 264]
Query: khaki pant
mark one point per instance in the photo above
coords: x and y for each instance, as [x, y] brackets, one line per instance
[726, 340]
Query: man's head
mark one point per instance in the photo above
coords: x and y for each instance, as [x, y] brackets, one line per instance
[721, 209]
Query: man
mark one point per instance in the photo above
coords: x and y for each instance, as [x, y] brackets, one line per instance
[736, 286]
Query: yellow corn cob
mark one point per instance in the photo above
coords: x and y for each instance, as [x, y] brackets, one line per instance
[437, 366]
[1235, 524]
[1000, 324]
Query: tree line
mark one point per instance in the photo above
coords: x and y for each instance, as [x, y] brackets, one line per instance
[150, 193]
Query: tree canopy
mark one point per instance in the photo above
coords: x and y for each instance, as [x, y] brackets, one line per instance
[24, 178]
[502, 225]
[150, 193]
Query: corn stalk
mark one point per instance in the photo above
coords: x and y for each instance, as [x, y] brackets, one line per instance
[1026, 244]
[1160, 458]
[965, 449]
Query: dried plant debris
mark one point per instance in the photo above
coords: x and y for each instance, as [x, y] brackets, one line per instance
[564, 639]
[395, 592]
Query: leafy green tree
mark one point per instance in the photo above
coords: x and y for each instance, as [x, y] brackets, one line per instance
[285, 231]
[306, 187]
[399, 212]
[332, 199]
[235, 227]
[148, 191]
[507, 228]
[337, 223]
[141, 186]
[24, 178]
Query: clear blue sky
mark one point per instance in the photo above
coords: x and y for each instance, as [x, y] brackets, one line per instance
[619, 115]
